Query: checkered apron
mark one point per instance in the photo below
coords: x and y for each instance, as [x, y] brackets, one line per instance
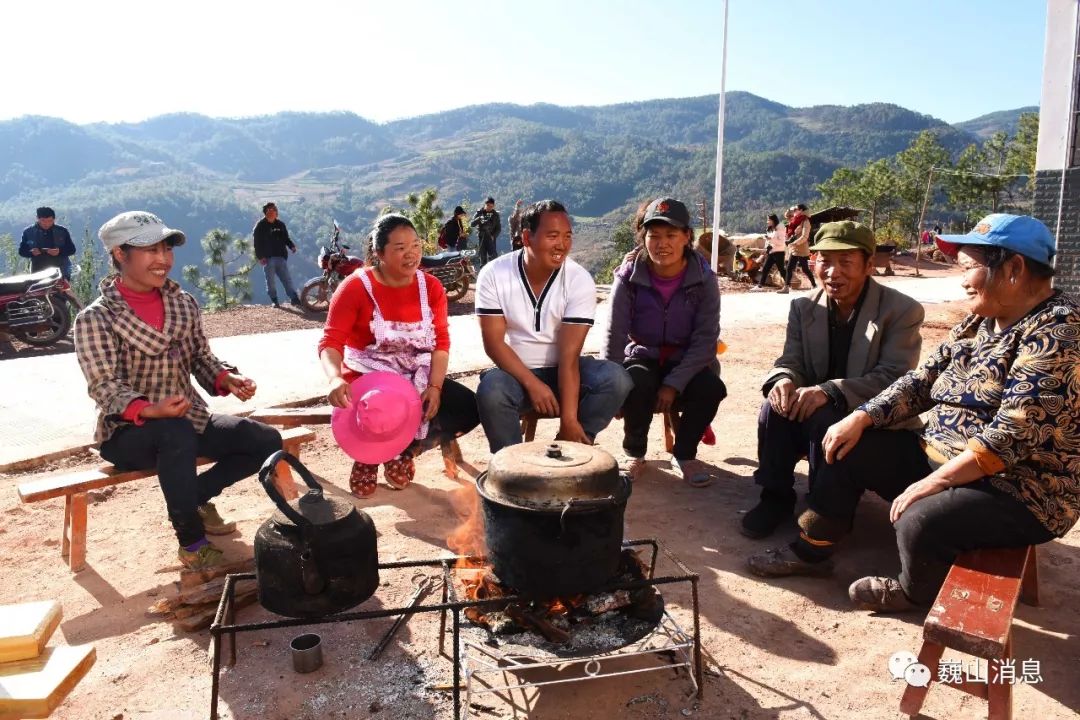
[403, 348]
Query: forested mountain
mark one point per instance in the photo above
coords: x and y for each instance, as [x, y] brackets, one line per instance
[1002, 121]
[200, 172]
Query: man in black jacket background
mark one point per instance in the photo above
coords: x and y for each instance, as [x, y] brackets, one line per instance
[272, 248]
[488, 226]
[47, 244]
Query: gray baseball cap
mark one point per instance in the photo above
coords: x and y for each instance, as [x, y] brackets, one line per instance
[138, 228]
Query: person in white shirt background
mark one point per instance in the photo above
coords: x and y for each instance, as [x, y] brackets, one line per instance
[536, 306]
[774, 245]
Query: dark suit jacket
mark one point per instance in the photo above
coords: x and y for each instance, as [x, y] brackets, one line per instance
[884, 346]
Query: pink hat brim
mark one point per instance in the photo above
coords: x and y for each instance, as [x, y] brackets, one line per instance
[361, 448]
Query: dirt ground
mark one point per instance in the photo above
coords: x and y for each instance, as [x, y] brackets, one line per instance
[792, 648]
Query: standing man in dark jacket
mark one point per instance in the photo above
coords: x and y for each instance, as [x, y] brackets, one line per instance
[488, 226]
[272, 248]
[47, 244]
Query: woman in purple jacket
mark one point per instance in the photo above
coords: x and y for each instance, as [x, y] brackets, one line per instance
[665, 324]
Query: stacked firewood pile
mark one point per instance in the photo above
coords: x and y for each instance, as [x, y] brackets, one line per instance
[194, 606]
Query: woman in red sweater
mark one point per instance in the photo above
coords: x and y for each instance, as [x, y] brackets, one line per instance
[393, 318]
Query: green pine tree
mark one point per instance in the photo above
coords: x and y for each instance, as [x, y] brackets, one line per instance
[228, 261]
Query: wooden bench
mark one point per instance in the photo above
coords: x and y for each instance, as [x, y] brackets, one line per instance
[973, 614]
[73, 487]
[529, 419]
[293, 417]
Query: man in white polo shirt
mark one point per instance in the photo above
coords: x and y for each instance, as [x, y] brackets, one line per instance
[535, 307]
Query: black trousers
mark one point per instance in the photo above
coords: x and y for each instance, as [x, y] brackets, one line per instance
[772, 260]
[782, 443]
[934, 530]
[171, 445]
[696, 404]
[487, 251]
[802, 262]
[457, 416]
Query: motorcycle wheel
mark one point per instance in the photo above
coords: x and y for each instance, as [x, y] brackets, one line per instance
[316, 295]
[59, 325]
[459, 290]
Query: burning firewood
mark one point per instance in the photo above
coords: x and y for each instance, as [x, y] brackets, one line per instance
[605, 602]
[531, 620]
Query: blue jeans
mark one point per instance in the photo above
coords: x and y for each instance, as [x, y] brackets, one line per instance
[278, 266]
[502, 400]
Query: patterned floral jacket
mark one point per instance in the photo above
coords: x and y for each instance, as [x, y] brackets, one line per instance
[125, 359]
[1013, 398]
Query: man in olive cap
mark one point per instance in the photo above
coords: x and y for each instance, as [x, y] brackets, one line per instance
[845, 343]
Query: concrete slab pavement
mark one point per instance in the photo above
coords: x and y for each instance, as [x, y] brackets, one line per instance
[44, 408]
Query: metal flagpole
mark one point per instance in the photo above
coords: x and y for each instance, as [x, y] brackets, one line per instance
[719, 147]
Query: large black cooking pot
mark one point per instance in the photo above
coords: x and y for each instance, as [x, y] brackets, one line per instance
[553, 517]
[315, 556]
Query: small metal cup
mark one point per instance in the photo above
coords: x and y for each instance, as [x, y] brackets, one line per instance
[306, 653]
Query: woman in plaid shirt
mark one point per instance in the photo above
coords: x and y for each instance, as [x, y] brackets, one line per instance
[138, 345]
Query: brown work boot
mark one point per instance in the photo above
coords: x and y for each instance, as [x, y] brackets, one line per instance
[205, 557]
[782, 561]
[879, 594]
[213, 523]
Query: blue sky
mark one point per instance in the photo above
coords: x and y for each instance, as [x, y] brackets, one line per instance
[120, 60]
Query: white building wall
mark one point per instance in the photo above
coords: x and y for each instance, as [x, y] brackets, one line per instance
[1059, 73]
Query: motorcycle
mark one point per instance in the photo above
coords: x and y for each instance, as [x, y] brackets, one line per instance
[336, 265]
[452, 268]
[36, 308]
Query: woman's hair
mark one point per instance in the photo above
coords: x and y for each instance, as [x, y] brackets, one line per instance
[386, 224]
[994, 257]
[458, 210]
[775, 220]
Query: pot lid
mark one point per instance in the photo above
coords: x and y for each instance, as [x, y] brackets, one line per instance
[545, 475]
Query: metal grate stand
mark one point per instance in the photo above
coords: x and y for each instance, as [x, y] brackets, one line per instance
[668, 636]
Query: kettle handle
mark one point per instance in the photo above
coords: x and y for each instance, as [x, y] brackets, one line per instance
[266, 472]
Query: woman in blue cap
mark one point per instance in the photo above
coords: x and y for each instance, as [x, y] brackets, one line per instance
[997, 463]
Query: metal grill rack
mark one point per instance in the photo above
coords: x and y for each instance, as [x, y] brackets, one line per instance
[667, 639]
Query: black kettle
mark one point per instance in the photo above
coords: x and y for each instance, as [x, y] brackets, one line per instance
[315, 556]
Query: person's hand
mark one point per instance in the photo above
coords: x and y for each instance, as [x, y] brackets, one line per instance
[841, 437]
[292, 249]
[916, 491]
[543, 399]
[571, 431]
[35, 252]
[632, 255]
[431, 398]
[239, 386]
[664, 398]
[340, 393]
[262, 261]
[782, 396]
[807, 401]
[171, 407]
[53, 251]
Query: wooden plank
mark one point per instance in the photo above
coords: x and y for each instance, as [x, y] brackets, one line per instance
[204, 619]
[974, 609]
[1029, 587]
[193, 578]
[77, 556]
[54, 486]
[291, 417]
[914, 696]
[34, 688]
[25, 628]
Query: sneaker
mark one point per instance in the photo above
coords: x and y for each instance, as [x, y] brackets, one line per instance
[295, 301]
[693, 472]
[782, 561]
[213, 523]
[633, 466]
[276, 304]
[784, 290]
[205, 557]
[879, 594]
[764, 518]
